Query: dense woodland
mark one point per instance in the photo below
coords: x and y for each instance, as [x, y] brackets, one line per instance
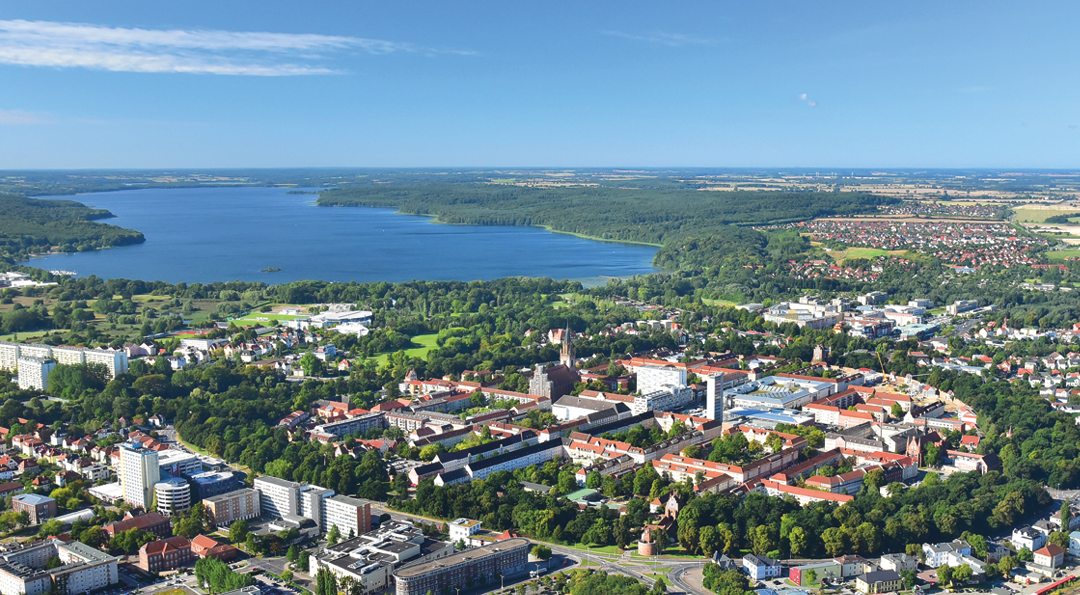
[31, 225]
[655, 216]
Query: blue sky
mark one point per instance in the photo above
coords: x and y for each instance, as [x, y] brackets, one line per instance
[547, 84]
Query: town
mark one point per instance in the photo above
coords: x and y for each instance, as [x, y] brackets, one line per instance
[636, 449]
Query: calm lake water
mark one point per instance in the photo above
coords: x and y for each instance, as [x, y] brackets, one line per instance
[225, 234]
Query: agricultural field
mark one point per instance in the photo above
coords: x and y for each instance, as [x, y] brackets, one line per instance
[1063, 254]
[1039, 213]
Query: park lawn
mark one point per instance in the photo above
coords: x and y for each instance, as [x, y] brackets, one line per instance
[426, 343]
[1062, 254]
[712, 302]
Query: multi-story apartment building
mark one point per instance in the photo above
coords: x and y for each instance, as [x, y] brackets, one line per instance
[312, 504]
[34, 372]
[656, 377]
[82, 569]
[240, 505]
[505, 558]
[352, 516]
[669, 398]
[278, 496]
[536, 454]
[139, 472]
[115, 361]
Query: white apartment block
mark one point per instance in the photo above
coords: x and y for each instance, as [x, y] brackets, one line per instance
[83, 569]
[34, 372]
[652, 378]
[114, 360]
[173, 496]
[139, 472]
[671, 398]
[278, 497]
[313, 505]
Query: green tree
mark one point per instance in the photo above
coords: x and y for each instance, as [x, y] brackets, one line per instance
[594, 481]
[810, 577]
[798, 540]
[835, 541]
[945, 575]
[962, 574]
[334, 535]
[710, 540]
[762, 542]
[908, 578]
[541, 552]
[293, 554]
[238, 531]
[303, 561]
[325, 582]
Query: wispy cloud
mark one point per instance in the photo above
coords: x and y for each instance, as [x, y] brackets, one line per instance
[78, 45]
[805, 99]
[17, 117]
[663, 38]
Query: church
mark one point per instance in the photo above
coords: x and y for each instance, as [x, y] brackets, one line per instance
[558, 380]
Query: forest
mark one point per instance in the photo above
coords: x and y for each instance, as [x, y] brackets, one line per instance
[32, 225]
[648, 215]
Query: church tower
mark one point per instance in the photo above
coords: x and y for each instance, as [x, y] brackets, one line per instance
[566, 357]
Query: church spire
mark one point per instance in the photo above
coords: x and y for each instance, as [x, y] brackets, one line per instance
[566, 357]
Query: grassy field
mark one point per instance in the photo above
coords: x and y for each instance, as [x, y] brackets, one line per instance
[30, 335]
[712, 302]
[841, 255]
[1062, 254]
[426, 342]
[1033, 215]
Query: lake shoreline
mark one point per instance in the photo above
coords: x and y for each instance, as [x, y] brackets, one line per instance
[222, 234]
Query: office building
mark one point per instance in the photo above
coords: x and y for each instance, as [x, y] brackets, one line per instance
[165, 554]
[38, 507]
[150, 522]
[240, 505]
[370, 558]
[506, 558]
[179, 463]
[139, 472]
[213, 483]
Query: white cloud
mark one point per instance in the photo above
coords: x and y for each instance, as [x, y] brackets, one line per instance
[803, 98]
[77, 45]
[668, 39]
[20, 117]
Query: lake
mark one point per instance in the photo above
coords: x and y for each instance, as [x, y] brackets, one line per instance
[226, 234]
